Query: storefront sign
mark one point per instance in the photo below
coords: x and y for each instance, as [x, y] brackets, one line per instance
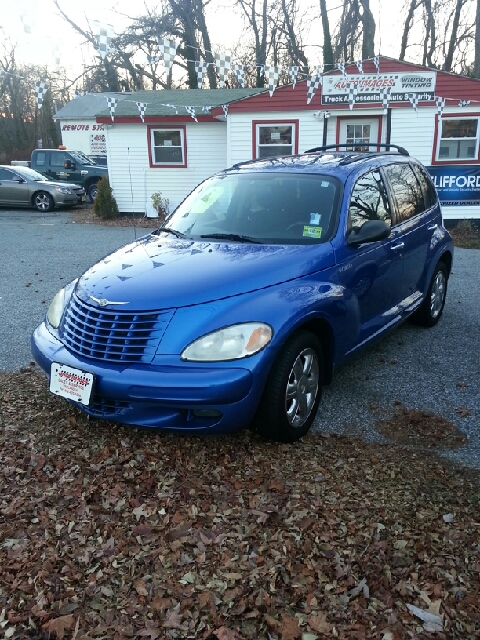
[457, 184]
[98, 144]
[76, 126]
[370, 87]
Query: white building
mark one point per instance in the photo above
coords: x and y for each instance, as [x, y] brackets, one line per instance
[421, 109]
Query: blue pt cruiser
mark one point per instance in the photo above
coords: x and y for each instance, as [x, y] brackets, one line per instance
[237, 311]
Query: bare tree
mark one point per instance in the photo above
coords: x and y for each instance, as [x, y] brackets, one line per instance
[356, 25]
[476, 64]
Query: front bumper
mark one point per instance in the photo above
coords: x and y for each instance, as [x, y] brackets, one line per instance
[176, 396]
[76, 197]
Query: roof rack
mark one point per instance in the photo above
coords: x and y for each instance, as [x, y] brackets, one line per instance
[401, 150]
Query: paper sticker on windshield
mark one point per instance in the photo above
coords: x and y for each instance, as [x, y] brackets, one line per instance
[208, 198]
[312, 232]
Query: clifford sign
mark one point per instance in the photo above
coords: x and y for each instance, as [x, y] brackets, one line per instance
[457, 184]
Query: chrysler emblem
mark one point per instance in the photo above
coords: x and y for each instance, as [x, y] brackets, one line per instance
[103, 302]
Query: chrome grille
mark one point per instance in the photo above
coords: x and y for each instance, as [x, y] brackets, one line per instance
[112, 335]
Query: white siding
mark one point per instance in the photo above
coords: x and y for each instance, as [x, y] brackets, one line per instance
[132, 179]
[77, 140]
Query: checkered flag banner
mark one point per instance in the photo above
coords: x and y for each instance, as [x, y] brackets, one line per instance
[342, 69]
[352, 90]
[223, 63]
[385, 96]
[153, 59]
[225, 109]
[376, 62]
[293, 71]
[200, 69]
[463, 103]
[313, 82]
[168, 51]
[271, 74]
[440, 106]
[40, 89]
[142, 107]
[104, 35]
[191, 112]
[359, 64]
[172, 106]
[413, 98]
[112, 105]
[239, 71]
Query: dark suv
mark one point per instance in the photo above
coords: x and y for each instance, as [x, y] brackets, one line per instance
[237, 311]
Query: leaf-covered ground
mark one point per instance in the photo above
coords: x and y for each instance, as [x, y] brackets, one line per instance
[114, 532]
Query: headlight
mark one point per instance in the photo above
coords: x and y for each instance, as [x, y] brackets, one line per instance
[63, 190]
[58, 304]
[230, 343]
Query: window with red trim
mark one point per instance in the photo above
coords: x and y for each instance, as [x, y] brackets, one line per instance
[458, 139]
[275, 138]
[167, 146]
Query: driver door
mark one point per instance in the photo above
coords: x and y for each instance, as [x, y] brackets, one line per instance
[13, 189]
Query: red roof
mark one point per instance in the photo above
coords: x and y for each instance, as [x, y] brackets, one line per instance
[287, 98]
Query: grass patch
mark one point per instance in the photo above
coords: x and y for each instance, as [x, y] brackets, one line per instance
[466, 235]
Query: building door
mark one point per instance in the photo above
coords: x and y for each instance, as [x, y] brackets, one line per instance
[357, 132]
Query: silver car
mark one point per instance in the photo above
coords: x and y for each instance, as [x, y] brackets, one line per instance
[24, 187]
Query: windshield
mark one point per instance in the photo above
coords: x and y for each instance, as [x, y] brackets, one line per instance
[81, 157]
[278, 208]
[29, 174]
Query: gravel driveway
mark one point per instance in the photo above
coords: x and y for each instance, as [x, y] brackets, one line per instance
[436, 370]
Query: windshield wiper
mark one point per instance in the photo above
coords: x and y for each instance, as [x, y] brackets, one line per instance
[176, 233]
[230, 236]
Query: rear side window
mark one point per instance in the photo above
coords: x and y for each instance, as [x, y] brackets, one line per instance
[429, 193]
[406, 190]
[369, 201]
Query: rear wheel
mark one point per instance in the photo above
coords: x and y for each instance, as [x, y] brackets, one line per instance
[43, 201]
[92, 191]
[432, 307]
[293, 390]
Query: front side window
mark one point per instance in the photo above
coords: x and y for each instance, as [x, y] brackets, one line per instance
[167, 147]
[369, 201]
[5, 174]
[406, 190]
[58, 159]
[275, 140]
[41, 157]
[458, 139]
[269, 208]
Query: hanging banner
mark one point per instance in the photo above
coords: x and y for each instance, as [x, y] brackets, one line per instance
[456, 184]
[370, 87]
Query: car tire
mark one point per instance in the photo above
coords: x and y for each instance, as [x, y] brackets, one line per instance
[431, 309]
[92, 191]
[294, 387]
[43, 201]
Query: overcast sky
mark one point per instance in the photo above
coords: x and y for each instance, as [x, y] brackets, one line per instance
[48, 30]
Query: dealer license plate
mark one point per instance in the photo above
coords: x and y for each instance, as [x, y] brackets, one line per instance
[70, 383]
[83, 198]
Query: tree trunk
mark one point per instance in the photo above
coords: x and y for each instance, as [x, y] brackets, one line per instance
[327, 38]
[368, 46]
[453, 36]
[430, 34]
[406, 28]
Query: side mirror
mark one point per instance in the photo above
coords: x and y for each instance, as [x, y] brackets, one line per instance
[371, 231]
[69, 164]
[19, 179]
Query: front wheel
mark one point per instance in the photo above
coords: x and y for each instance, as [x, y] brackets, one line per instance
[92, 191]
[43, 201]
[430, 311]
[293, 390]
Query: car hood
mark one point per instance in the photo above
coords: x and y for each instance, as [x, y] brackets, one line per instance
[50, 183]
[160, 273]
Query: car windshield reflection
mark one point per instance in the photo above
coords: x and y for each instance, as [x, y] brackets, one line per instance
[268, 208]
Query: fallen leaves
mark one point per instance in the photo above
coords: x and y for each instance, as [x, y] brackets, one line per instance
[113, 532]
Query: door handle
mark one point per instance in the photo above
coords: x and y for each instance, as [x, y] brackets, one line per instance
[432, 227]
[397, 247]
